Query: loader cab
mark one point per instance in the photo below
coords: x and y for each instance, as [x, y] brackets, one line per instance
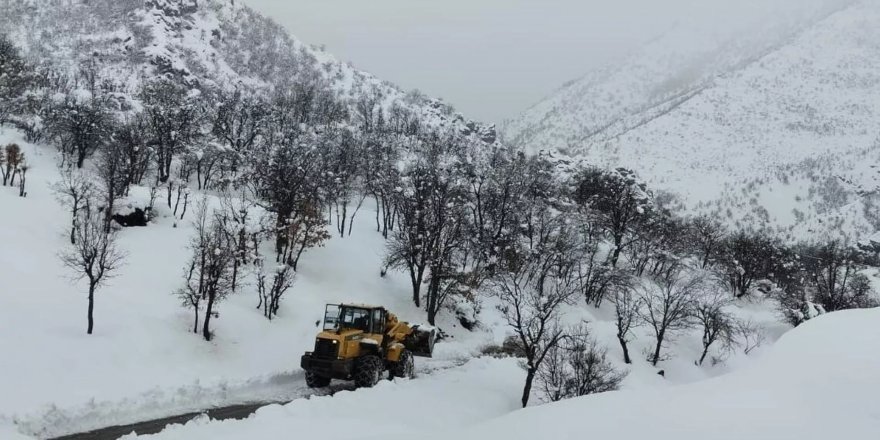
[342, 317]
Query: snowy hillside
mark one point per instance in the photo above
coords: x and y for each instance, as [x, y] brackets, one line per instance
[818, 382]
[213, 43]
[185, 187]
[777, 128]
[143, 362]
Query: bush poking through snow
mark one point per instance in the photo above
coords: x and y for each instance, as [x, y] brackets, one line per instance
[576, 367]
[270, 296]
[12, 162]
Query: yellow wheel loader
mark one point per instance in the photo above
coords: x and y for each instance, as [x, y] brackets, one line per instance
[361, 342]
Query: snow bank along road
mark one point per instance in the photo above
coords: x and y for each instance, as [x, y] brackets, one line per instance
[480, 390]
[238, 411]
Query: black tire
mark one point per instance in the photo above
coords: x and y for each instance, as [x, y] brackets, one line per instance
[405, 366]
[368, 371]
[315, 381]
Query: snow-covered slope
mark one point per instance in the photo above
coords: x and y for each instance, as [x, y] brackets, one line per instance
[143, 362]
[818, 382]
[217, 43]
[775, 128]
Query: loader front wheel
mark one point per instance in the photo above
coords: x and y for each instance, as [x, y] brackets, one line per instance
[315, 381]
[404, 367]
[368, 371]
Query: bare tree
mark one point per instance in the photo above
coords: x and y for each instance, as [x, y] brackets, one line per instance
[533, 289]
[706, 236]
[719, 326]
[577, 367]
[22, 177]
[619, 200]
[236, 216]
[746, 257]
[751, 335]
[833, 269]
[627, 306]
[74, 191]
[668, 307]
[111, 169]
[132, 135]
[13, 159]
[208, 275]
[94, 256]
[173, 117]
[270, 296]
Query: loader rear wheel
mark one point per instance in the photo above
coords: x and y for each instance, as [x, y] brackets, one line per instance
[368, 371]
[404, 367]
[315, 381]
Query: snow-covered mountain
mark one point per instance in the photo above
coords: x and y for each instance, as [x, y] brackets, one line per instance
[776, 128]
[220, 43]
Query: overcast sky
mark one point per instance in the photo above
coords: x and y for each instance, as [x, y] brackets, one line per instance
[493, 58]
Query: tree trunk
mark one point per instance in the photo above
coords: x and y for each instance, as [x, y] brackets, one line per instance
[615, 255]
[235, 265]
[73, 223]
[417, 287]
[185, 203]
[705, 352]
[80, 158]
[626, 357]
[91, 314]
[656, 357]
[527, 389]
[206, 329]
[196, 324]
[433, 292]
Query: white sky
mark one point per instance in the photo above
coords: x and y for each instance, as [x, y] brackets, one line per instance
[494, 58]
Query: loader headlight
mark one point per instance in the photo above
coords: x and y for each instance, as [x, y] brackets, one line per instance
[335, 341]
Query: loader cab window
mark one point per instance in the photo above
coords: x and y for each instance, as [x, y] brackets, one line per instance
[378, 321]
[331, 317]
[354, 318]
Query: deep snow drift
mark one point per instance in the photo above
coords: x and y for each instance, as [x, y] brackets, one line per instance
[482, 389]
[820, 381]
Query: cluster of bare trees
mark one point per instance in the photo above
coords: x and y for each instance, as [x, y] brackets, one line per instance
[602, 235]
[13, 164]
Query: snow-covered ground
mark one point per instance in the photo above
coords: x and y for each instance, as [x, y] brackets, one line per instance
[143, 362]
[819, 382]
[481, 390]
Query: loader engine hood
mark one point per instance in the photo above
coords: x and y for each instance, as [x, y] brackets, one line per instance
[342, 344]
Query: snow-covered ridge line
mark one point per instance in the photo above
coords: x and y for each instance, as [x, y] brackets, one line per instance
[777, 136]
[213, 42]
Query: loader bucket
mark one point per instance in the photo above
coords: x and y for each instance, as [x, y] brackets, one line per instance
[421, 341]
